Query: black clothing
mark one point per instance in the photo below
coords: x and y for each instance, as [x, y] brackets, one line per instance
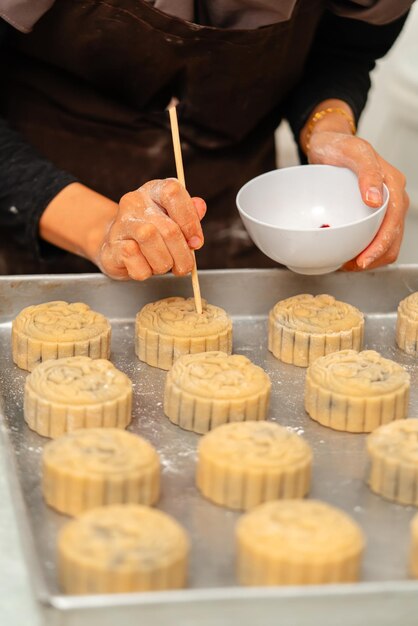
[72, 86]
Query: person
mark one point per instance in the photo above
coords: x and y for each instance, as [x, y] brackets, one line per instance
[86, 161]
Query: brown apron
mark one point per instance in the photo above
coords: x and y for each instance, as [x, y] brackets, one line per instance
[89, 86]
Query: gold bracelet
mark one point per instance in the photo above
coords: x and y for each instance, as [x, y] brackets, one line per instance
[320, 114]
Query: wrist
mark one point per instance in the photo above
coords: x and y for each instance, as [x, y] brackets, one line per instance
[328, 116]
[93, 241]
[77, 220]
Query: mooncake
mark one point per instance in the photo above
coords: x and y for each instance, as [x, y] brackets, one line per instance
[169, 328]
[356, 391]
[63, 395]
[97, 467]
[207, 389]
[243, 464]
[54, 330]
[122, 548]
[305, 327]
[298, 542]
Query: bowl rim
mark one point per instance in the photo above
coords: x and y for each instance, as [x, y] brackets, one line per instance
[374, 211]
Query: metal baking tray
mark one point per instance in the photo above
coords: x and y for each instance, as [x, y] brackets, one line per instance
[384, 597]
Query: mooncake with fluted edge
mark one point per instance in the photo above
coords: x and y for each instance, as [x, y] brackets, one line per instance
[57, 329]
[356, 391]
[393, 455]
[407, 324]
[208, 389]
[99, 466]
[169, 328]
[63, 395]
[305, 327]
[242, 464]
[122, 548]
[298, 542]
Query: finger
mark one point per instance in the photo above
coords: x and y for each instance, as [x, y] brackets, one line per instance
[390, 232]
[389, 257]
[132, 205]
[370, 174]
[365, 163]
[110, 262]
[386, 259]
[138, 209]
[388, 240]
[200, 206]
[356, 154]
[406, 200]
[350, 266]
[153, 247]
[136, 223]
[180, 253]
[122, 260]
[370, 181]
[137, 267]
[174, 199]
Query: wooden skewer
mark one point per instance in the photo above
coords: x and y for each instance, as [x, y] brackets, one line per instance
[180, 175]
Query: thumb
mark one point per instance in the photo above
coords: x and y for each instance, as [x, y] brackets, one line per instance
[356, 154]
[371, 185]
[365, 163]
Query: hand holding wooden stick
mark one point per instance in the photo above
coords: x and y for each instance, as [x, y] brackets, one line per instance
[180, 175]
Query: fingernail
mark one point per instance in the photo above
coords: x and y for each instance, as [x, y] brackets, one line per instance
[368, 261]
[195, 243]
[373, 195]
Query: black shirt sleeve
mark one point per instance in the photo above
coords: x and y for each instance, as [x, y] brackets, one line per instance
[28, 182]
[343, 54]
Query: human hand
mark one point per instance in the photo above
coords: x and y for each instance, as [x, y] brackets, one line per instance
[329, 140]
[346, 150]
[154, 231]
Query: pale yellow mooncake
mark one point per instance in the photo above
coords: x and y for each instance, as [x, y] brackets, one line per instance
[407, 324]
[305, 327]
[63, 395]
[298, 542]
[208, 389]
[122, 548]
[168, 328]
[97, 467]
[393, 454]
[243, 464]
[356, 391]
[413, 563]
[58, 329]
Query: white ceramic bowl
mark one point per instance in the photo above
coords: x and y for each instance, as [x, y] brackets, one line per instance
[283, 212]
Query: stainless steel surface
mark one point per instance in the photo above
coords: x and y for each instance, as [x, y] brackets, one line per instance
[340, 463]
